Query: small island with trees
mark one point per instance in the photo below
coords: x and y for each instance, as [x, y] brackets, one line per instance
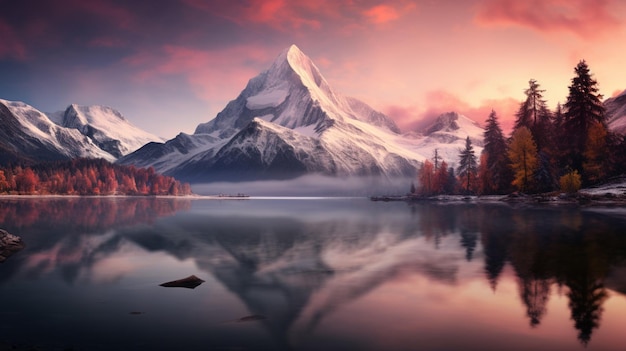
[548, 154]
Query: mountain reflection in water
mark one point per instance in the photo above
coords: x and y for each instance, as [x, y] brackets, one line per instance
[344, 274]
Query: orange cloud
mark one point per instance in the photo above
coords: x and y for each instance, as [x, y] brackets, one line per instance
[381, 14]
[616, 93]
[587, 19]
[415, 118]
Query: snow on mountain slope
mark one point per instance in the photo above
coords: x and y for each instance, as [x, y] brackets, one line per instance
[291, 93]
[106, 127]
[616, 113]
[447, 134]
[288, 121]
[55, 141]
[165, 157]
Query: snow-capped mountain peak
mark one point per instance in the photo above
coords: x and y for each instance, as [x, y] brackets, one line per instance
[291, 93]
[306, 69]
[289, 121]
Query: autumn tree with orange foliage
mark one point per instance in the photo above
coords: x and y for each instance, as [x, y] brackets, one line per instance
[426, 178]
[523, 155]
[594, 165]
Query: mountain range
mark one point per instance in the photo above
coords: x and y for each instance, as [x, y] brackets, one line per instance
[288, 121]
[29, 135]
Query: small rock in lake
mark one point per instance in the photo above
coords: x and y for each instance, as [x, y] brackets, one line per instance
[191, 282]
[251, 318]
[9, 244]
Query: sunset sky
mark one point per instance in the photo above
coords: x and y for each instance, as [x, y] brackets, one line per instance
[170, 65]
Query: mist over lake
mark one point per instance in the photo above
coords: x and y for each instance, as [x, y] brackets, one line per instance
[311, 274]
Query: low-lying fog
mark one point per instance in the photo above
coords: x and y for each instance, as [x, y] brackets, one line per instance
[310, 185]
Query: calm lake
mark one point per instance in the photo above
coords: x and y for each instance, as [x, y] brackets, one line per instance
[311, 274]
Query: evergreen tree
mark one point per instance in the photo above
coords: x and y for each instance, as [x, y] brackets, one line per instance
[595, 162]
[468, 166]
[535, 115]
[523, 154]
[436, 160]
[497, 160]
[544, 176]
[451, 184]
[582, 109]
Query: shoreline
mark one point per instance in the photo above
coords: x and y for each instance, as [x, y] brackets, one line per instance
[578, 199]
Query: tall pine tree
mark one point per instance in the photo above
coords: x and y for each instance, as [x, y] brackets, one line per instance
[535, 115]
[496, 157]
[582, 109]
[468, 167]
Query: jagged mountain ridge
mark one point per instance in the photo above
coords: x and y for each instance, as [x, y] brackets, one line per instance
[107, 128]
[29, 135]
[288, 121]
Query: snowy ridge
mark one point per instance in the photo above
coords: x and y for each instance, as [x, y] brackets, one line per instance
[107, 128]
[616, 113]
[64, 141]
[79, 131]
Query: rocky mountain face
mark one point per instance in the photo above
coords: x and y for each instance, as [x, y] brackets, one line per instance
[616, 113]
[287, 122]
[29, 135]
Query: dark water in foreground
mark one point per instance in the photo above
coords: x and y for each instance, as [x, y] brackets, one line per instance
[323, 274]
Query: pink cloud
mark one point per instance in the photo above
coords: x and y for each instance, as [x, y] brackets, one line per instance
[288, 15]
[381, 14]
[107, 42]
[279, 14]
[217, 74]
[12, 45]
[439, 102]
[587, 19]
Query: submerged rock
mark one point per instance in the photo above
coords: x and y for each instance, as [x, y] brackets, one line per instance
[191, 282]
[251, 318]
[9, 244]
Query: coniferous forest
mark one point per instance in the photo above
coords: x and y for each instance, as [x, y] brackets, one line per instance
[87, 177]
[561, 150]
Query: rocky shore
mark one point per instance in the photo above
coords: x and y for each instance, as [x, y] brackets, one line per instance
[9, 244]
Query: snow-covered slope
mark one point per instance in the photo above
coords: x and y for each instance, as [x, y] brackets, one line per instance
[106, 127]
[616, 113]
[33, 136]
[28, 134]
[288, 121]
[447, 134]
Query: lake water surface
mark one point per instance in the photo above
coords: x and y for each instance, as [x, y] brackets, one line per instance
[311, 274]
